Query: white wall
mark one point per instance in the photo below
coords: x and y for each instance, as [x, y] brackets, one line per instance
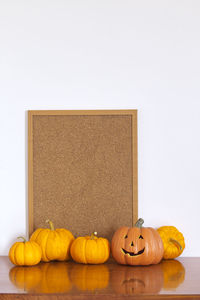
[106, 54]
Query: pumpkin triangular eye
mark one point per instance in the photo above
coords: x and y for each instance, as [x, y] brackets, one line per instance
[126, 236]
[141, 237]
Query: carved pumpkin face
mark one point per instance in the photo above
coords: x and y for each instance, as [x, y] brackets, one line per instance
[137, 280]
[137, 245]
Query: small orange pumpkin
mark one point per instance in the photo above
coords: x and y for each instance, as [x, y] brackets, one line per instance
[55, 243]
[173, 241]
[26, 253]
[90, 249]
[137, 245]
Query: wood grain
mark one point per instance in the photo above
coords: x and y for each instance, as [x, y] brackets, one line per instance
[97, 297]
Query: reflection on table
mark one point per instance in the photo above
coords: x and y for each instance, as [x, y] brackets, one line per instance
[69, 277]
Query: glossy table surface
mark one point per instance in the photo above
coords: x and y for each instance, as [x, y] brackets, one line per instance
[172, 279]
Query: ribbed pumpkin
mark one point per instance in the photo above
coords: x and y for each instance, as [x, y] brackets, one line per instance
[173, 241]
[55, 243]
[26, 253]
[137, 280]
[90, 249]
[90, 277]
[174, 273]
[137, 245]
[25, 278]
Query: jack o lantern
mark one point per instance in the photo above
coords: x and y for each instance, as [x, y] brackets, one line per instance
[137, 280]
[174, 273]
[137, 245]
[90, 277]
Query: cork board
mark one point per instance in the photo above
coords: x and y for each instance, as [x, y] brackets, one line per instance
[82, 168]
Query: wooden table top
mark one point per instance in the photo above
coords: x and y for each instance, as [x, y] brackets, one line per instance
[174, 279]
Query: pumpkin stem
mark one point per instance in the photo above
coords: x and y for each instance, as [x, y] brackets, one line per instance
[21, 237]
[139, 223]
[176, 243]
[50, 224]
[93, 235]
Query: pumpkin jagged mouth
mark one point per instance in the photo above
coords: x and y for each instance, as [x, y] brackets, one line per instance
[132, 253]
[134, 280]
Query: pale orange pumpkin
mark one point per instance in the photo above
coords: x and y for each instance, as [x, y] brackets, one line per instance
[137, 280]
[90, 249]
[137, 245]
[55, 243]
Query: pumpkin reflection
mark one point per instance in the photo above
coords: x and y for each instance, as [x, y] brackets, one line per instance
[43, 278]
[137, 280]
[90, 277]
[55, 278]
[174, 273]
[25, 278]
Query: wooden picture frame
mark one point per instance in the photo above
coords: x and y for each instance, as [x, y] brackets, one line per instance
[82, 169]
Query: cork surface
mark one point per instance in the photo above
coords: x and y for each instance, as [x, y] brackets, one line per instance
[82, 172]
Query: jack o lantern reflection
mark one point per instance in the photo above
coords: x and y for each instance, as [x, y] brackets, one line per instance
[90, 277]
[137, 280]
[174, 273]
[44, 278]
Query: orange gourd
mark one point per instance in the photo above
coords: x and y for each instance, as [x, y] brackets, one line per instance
[26, 253]
[55, 243]
[137, 245]
[173, 241]
[90, 249]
